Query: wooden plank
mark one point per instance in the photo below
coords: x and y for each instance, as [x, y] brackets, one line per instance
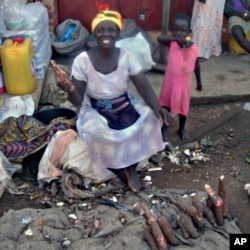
[164, 29]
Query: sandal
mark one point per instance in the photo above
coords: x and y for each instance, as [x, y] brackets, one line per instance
[202, 59]
[223, 54]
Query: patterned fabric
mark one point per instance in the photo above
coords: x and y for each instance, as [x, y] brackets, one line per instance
[206, 24]
[176, 88]
[111, 148]
[22, 136]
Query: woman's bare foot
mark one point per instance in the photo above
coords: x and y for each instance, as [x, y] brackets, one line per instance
[133, 179]
[118, 183]
[183, 134]
[120, 174]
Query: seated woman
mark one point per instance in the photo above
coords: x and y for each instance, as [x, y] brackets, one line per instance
[239, 26]
[119, 127]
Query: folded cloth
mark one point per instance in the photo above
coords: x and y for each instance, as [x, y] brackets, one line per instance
[23, 136]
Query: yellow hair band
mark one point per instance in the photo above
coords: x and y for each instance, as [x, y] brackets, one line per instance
[107, 15]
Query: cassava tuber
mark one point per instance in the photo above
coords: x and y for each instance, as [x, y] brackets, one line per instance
[147, 236]
[223, 194]
[155, 228]
[189, 226]
[190, 210]
[59, 72]
[198, 205]
[208, 213]
[167, 230]
[217, 204]
[138, 208]
[184, 232]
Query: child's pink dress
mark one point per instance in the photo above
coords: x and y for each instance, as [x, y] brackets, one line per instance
[176, 89]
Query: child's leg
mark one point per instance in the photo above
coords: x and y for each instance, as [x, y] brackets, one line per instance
[182, 132]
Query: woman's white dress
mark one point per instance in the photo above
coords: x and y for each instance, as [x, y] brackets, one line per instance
[206, 25]
[109, 148]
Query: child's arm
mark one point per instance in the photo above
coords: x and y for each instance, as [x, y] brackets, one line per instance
[167, 39]
[197, 72]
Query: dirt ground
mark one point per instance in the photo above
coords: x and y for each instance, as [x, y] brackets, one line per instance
[227, 126]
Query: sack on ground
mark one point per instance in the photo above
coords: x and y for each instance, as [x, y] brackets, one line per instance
[70, 36]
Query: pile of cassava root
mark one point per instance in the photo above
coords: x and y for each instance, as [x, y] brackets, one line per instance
[159, 231]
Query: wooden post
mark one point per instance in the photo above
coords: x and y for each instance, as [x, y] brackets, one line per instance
[164, 29]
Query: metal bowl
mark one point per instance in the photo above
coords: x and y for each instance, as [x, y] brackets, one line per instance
[47, 115]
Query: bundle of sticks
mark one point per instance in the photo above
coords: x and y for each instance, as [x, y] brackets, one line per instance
[159, 231]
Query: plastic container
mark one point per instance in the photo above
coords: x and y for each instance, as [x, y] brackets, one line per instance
[18, 68]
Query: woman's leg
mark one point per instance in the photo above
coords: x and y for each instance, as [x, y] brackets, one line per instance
[129, 177]
[120, 174]
[182, 132]
[240, 37]
[132, 178]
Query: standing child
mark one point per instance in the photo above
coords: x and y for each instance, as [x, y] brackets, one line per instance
[182, 61]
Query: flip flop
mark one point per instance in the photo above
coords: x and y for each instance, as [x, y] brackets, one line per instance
[223, 54]
[202, 59]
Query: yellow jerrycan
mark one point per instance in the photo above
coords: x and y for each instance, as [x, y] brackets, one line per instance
[18, 68]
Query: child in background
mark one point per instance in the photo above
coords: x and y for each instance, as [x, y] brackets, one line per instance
[182, 61]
